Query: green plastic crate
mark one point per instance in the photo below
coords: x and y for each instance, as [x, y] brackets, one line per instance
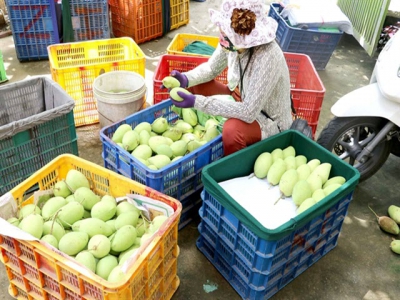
[36, 125]
[3, 75]
[241, 164]
[256, 261]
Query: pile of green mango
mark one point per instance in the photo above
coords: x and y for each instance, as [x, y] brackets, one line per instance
[99, 232]
[160, 143]
[307, 182]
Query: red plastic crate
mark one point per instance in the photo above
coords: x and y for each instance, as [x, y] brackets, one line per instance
[307, 88]
[140, 20]
[181, 63]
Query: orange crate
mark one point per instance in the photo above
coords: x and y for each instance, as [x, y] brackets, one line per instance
[179, 13]
[167, 63]
[37, 272]
[181, 40]
[140, 20]
[75, 66]
[307, 88]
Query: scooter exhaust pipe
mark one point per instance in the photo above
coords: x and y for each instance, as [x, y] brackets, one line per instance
[366, 152]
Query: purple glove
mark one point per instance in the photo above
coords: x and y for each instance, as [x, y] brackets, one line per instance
[188, 100]
[180, 77]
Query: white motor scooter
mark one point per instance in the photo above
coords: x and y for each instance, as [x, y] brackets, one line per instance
[366, 126]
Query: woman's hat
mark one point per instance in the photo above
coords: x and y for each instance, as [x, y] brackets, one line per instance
[264, 26]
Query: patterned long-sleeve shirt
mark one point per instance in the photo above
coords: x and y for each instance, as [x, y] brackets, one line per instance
[266, 87]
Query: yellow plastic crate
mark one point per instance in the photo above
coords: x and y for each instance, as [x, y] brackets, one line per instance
[75, 66]
[181, 40]
[36, 272]
[179, 13]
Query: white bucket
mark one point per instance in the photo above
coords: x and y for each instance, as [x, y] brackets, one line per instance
[119, 94]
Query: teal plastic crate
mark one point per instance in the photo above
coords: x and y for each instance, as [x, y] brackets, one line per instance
[36, 125]
[257, 261]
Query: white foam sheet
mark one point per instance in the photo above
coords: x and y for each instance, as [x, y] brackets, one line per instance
[317, 13]
[257, 197]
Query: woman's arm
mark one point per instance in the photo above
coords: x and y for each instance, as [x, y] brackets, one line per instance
[259, 83]
[208, 70]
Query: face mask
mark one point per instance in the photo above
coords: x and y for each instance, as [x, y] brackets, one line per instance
[226, 43]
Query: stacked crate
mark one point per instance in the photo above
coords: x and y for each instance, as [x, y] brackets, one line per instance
[34, 27]
[319, 45]
[148, 19]
[180, 179]
[38, 271]
[255, 260]
[75, 66]
[90, 19]
[176, 14]
[36, 125]
[140, 20]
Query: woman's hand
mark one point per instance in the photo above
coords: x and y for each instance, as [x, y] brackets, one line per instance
[188, 100]
[183, 81]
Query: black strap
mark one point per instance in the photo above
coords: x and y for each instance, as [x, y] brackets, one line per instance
[241, 87]
[291, 105]
[245, 69]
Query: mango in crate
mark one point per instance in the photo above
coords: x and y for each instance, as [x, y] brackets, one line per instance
[306, 204]
[75, 179]
[99, 246]
[301, 191]
[73, 242]
[288, 151]
[174, 93]
[159, 125]
[146, 126]
[119, 133]
[87, 259]
[170, 82]
[276, 171]
[262, 165]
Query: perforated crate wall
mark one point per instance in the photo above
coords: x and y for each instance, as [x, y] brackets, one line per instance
[139, 20]
[90, 19]
[34, 27]
[318, 45]
[258, 268]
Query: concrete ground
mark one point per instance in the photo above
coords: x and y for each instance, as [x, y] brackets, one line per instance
[361, 266]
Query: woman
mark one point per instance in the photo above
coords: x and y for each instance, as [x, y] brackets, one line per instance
[258, 77]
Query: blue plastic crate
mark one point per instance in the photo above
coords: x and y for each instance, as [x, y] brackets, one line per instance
[259, 261]
[319, 45]
[90, 19]
[190, 208]
[258, 268]
[34, 27]
[180, 179]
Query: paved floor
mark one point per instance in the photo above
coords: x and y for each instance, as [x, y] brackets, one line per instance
[360, 267]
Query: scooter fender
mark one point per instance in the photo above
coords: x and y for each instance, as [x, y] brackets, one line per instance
[367, 101]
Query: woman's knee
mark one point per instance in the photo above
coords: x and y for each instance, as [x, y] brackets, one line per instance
[237, 135]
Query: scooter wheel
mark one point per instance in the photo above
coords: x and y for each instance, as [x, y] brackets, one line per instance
[347, 137]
